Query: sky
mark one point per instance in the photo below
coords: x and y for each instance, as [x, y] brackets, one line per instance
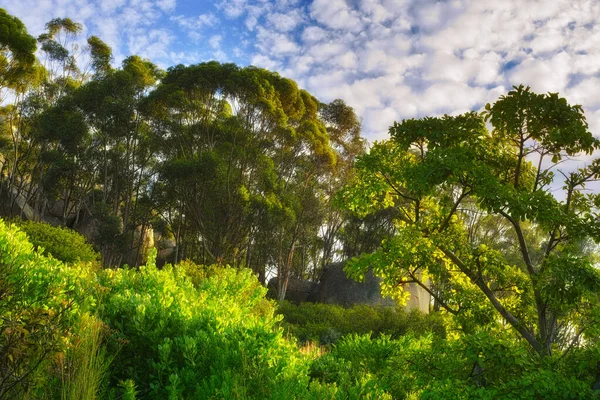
[388, 59]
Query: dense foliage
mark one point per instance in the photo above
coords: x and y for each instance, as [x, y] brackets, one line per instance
[327, 323]
[61, 243]
[167, 337]
[217, 163]
[153, 333]
[478, 366]
[40, 300]
[479, 221]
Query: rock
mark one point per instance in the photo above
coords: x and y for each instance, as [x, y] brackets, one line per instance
[336, 288]
[297, 291]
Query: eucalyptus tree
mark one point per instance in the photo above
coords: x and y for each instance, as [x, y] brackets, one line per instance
[17, 52]
[46, 127]
[243, 149]
[19, 72]
[437, 172]
[118, 159]
[343, 127]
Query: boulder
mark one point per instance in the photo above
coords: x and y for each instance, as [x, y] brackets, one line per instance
[297, 291]
[336, 288]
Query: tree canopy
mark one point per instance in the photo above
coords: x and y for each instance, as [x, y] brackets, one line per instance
[451, 180]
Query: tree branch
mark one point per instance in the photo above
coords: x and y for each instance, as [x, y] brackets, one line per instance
[511, 319]
[522, 243]
[464, 194]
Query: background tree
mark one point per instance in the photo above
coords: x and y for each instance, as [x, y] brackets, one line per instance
[343, 127]
[244, 151]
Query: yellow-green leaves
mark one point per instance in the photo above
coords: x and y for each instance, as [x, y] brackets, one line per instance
[476, 215]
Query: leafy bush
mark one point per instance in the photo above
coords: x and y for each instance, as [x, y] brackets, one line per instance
[476, 366]
[216, 340]
[167, 338]
[61, 243]
[40, 300]
[207, 332]
[326, 323]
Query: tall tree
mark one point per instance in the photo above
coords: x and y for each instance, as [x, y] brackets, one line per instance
[343, 128]
[243, 150]
[439, 172]
[19, 72]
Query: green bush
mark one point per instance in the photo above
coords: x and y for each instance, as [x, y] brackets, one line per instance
[478, 366]
[217, 339]
[167, 338]
[61, 243]
[326, 323]
[40, 301]
[193, 332]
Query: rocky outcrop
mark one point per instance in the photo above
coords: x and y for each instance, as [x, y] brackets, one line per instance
[298, 290]
[336, 288]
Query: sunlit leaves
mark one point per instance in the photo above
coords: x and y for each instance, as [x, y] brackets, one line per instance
[101, 55]
[448, 177]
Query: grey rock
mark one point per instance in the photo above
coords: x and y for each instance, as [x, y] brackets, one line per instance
[297, 291]
[336, 288]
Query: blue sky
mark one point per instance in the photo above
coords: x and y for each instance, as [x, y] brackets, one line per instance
[389, 59]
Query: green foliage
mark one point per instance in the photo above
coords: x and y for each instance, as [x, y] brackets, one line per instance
[40, 299]
[326, 323]
[61, 243]
[101, 55]
[248, 165]
[477, 220]
[84, 367]
[17, 50]
[216, 339]
[208, 332]
[479, 366]
[13, 35]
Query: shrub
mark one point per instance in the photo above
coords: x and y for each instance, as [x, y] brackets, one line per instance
[326, 323]
[61, 243]
[40, 300]
[84, 366]
[477, 366]
[217, 339]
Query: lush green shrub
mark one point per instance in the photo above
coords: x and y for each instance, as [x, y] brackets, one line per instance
[61, 243]
[168, 337]
[477, 366]
[189, 332]
[40, 300]
[326, 323]
[215, 340]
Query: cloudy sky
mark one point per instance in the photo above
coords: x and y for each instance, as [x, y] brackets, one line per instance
[389, 59]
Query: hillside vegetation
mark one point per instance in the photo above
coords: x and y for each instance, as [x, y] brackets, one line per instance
[151, 205]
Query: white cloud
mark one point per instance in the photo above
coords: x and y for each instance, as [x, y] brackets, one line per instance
[275, 44]
[195, 23]
[152, 44]
[215, 42]
[284, 22]
[263, 61]
[233, 8]
[425, 57]
[336, 14]
[586, 92]
[314, 34]
[389, 59]
[166, 5]
[543, 75]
